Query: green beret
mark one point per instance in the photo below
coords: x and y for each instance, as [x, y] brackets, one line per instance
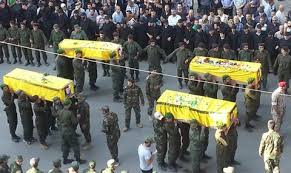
[193, 121]
[193, 74]
[67, 102]
[19, 158]
[168, 115]
[251, 80]
[60, 51]
[224, 77]
[3, 85]
[57, 163]
[78, 51]
[75, 165]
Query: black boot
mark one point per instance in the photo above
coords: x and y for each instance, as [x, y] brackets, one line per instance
[136, 78]
[15, 61]
[1, 61]
[27, 63]
[67, 161]
[8, 61]
[104, 73]
[32, 63]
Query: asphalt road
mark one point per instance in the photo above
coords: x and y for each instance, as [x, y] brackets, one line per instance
[248, 143]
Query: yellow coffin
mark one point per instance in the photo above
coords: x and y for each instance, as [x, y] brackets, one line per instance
[33, 83]
[91, 49]
[206, 111]
[240, 71]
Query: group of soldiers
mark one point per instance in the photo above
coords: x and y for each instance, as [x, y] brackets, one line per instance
[16, 166]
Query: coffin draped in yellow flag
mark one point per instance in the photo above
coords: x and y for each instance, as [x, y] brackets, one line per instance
[240, 71]
[90, 49]
[33, 83]
[207, 111]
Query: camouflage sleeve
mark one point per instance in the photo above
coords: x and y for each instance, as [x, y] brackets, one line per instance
[105, 128]
[141, 96]
[262, 145]
[170, 56]
[148, 86]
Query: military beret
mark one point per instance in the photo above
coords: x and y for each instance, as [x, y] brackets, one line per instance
[19, 158]
[92, 164]
[251, 80]
[67, 102]
[76, 26]
[78, 51]
[75, 165]
[57, 163]
[3, 85]
[224, 77]
[55, 26]
[169, 115]
[193, 121]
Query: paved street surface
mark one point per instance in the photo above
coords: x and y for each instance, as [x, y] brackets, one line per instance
[248, 143]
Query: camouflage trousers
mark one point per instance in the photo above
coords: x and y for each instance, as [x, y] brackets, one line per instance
[128, 114]
[205, 141]
[112, 145]
[272, 165]
[69, 141]
[278, 118]
[195, 153]
[85, 129]
[79, 79]
[221, 152]
[152, 101]
[162, 146]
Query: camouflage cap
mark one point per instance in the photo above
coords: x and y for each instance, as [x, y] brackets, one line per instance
[56, 99]
[78, 51]
[224, 77]
[3, 85]
[193, 121]
[60, 51]
[19, 158]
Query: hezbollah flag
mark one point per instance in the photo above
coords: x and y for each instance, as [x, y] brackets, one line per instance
[11, 2]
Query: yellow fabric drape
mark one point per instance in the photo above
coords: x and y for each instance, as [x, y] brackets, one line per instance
[205, 110]
[33, 83]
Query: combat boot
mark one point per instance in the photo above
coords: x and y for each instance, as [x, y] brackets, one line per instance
[183, 158]
[27, 63]
[8, 61]
[136, 78]
[32, 63]
[38, 64]
[180, 85]
[44, 146]
[1, 61]
[15, 61]
[19, 61]
[139, 125]
[125, 129]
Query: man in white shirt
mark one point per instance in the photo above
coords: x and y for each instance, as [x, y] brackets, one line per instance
[173, 18]
[133, 7]
[146, 154]
[281, 14]
[117, 16]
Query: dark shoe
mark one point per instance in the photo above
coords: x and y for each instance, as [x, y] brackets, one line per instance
[15, 61]
[94, 87]
[205, 156]
[46, 64]
[17, 137]
[27, 142]
[235, 162]
[54, 128]
[108, 74]
[33, 140]
[80, 161]
[27, 63]
[55, 68]
[67, 161]
[1, 61]
[38, 64]
[249, 126]
[104, 74]
[137, 79]
[19, 61]
[180, 86]
[184, 159]
[16, 140]
[186, 153]
[8, 61]
[32, 64]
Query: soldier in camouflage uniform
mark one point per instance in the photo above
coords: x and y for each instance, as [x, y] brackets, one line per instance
[4, 36]
[221, 147]
[26, 114]
[8, 97]
[57, 164]
[61, 65]
[210, 90]
[200, 50]
[104, 66]
[184, 57]
[184, 133]
[41, 120]
[153, 90]
[16, 166]
[34, 166]
[227, 53]
[25, 37]
[262, 56]
[229, 93]
[56, 107]
[117, 76]
[245, 54]
[174, 141]
[132, 97]
[131, 50]
[38, 41]
[14, 39]
[282, 65]
[79, 71]
[271, 148]
[214, 52]
[111, 129]
[83, 115]
[56, 37]
[195, 146]
[91, 167]
[250, 102]
[231, 139]
[160, 136]
[154, 56]
[78, 34]
[195, 87]
[68, 122]
[118, 40]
